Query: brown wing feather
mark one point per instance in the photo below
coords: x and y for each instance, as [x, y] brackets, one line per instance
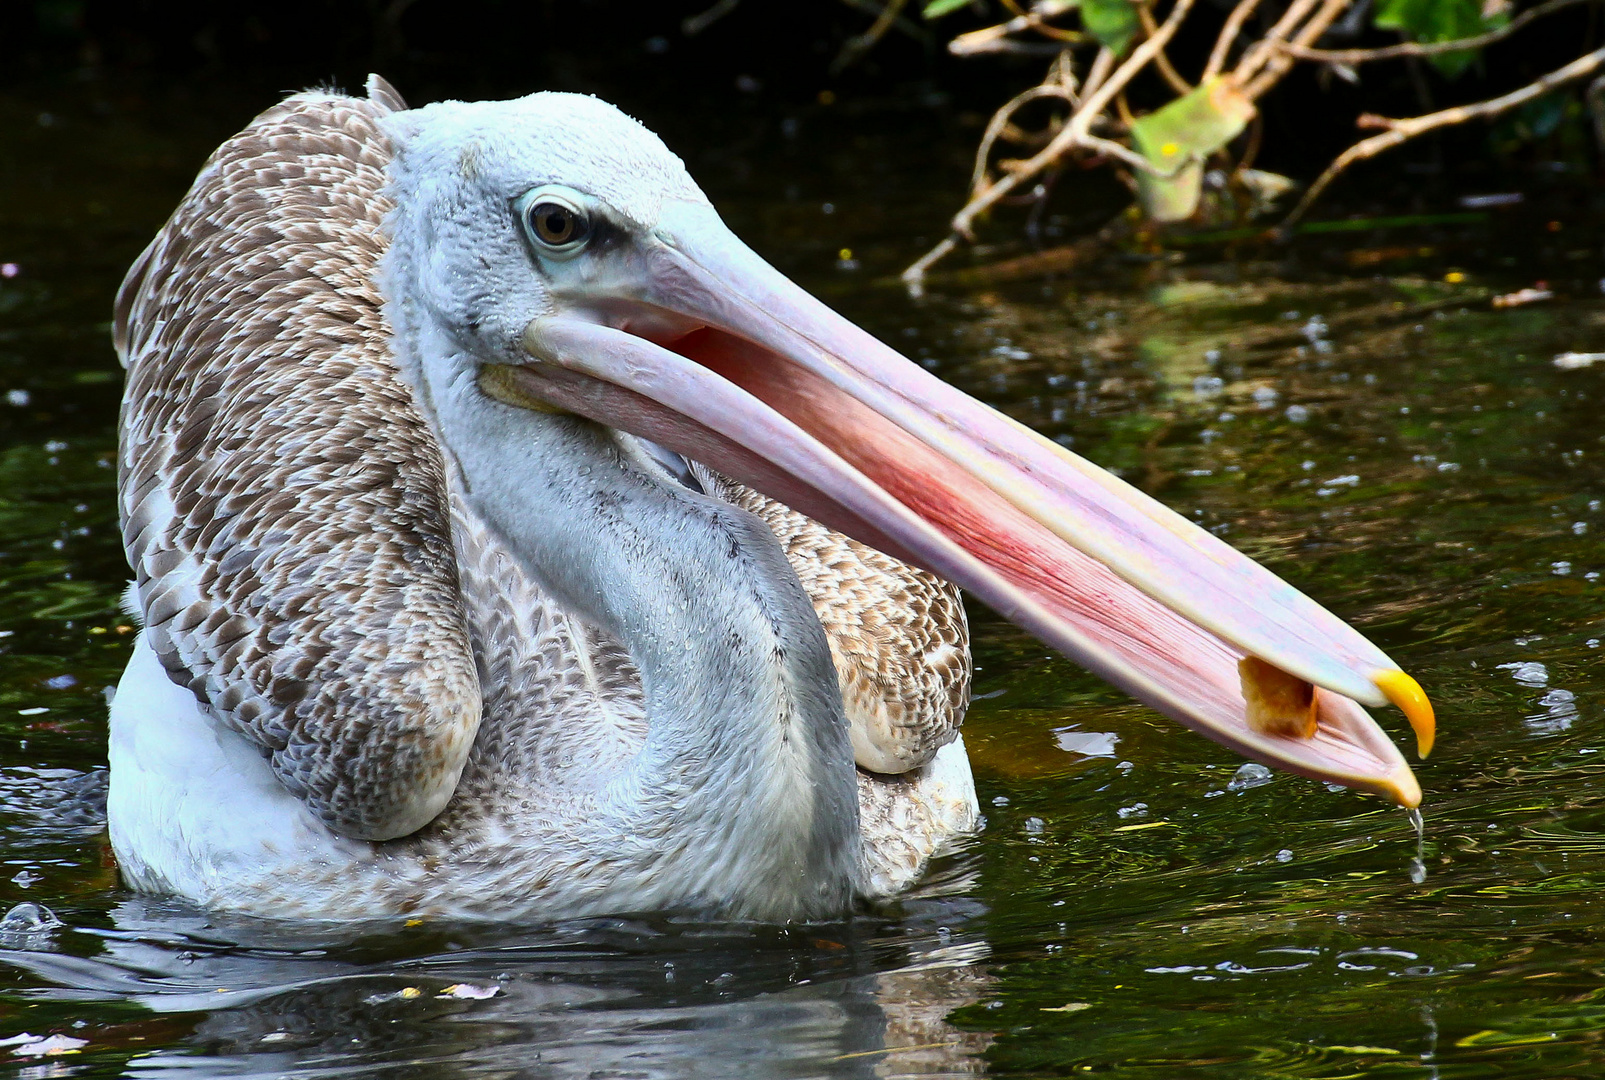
[898, 635]
[284, 505]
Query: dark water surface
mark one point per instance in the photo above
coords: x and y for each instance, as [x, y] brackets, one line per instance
[1137, 904]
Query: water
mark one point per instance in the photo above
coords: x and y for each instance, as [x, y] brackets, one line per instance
[1137, 904]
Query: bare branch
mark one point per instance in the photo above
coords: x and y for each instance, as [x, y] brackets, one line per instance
[1161, 61]
[855, 47]
[1262, 50]
[1001, 121]
[695, 24]
[1437, 48]
[1280, 63]
[996, 38]
[1400, 131]
[1228, 34]
[1102, 64]
[1077, 133]
[915, 275]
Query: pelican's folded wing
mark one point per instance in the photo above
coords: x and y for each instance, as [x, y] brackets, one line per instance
[898, 635]
[283, 501]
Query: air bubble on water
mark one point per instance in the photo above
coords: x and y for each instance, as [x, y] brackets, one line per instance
[1250, 775]
[1527, 672]
[28, 926]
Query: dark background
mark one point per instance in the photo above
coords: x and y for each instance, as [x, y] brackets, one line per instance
[766, 58]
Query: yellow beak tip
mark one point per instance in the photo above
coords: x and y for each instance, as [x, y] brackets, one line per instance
[1407, 694]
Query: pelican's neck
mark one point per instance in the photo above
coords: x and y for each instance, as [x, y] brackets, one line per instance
[745, 786]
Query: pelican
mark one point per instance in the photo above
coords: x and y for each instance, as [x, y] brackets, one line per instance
[511, 542]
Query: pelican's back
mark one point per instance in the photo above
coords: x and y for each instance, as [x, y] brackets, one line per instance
[284, 506]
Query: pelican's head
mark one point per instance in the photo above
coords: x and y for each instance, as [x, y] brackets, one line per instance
[575, 267]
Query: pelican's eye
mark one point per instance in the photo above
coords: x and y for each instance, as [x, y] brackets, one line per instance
[554, 224]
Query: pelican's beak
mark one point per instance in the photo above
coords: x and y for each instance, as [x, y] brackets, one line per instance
[712, 352]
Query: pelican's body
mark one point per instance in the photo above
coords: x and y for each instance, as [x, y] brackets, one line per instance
[427, 632]
[196, 809]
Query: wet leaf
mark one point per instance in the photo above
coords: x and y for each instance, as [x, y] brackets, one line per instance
[935, 9]
[1177, 139]
[1113, 22]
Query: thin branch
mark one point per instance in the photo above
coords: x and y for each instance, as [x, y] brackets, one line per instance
[855, 47]
[695, 24]
[914, 276]
[1437, 48]
[996, 38]
[1280, 63]
[1102, 64]
[1262, 50]
[904, 25]
[1161, 61]
[1000, 123]
[1228, 35]
[1401, 130]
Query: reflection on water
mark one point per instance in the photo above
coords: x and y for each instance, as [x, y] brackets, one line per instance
[1139, 902]
[601, 998]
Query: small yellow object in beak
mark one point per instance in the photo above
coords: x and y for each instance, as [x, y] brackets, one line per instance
[1407, 694]
[1278, 703]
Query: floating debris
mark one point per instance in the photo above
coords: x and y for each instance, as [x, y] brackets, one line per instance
[1087, 743]
[469, 992]
[1523, 296]
[27, 1045]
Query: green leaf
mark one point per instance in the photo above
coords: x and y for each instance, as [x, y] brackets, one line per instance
[1113, 22]
[1432, 21]
[935, 9]
[1177, 139]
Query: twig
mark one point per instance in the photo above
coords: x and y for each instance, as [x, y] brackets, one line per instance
[1280, 63]
[1102, 64]
[1262, 50]
[1161, 61]
[1414, 48]
[1228, 35]
[694, 25]
[1001, 121]
[854, 47]
[903, 25]
[1401, 130]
